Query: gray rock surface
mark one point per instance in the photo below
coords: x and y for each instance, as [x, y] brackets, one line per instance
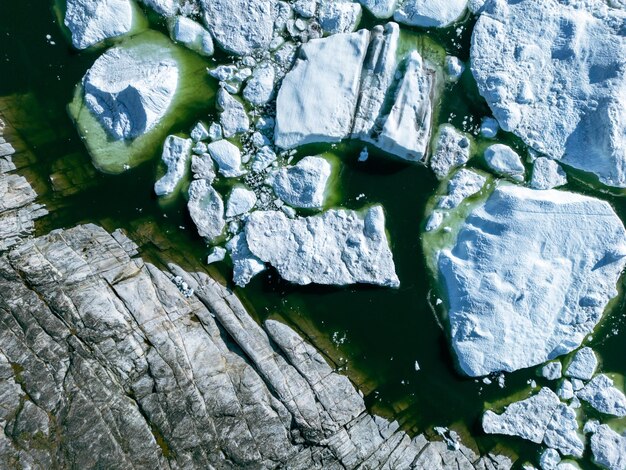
[109, 361]
[337, 247]
[304, 184]
[18, 206]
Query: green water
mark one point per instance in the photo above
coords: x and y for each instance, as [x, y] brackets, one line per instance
[375, 335]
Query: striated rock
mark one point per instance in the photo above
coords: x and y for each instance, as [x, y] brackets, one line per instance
[554, 73]
[303, 185]
[452, 149]
[176, 152]
[318, 97]
[206, 209]
[93, 21]
[603, 396]
[192, 35]
[130, 88]
[541, 418]
[504, 160]
[529, 277]
[547, 174]
[430, 13]
[583, 365]
[240, 27]
[338, 247]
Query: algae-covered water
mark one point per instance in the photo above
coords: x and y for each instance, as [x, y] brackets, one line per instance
[377, 336]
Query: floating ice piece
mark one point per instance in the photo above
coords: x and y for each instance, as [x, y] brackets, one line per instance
[176, 152]
[260, 87]
[452, 150]
[240, 201]
[93, 21]
[603, 396]
[304, 184]
[547, 174]
[129, 89]
[578, 47]
[245, 264]
[608, 448]
[192, 35]
[233, 116]
[552, 370]
[206, 209]
[240, 27]
[504, 160]
[227, 156]
[529, 277]
[430, 13]
[583, 365]
[338, 17]
[463, 184]
[338, 247]
[217, 254]
[454, 67]
[540, 418]
[489, 127]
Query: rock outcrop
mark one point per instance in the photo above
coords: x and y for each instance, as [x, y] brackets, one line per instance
[529, 277]
[109, 361]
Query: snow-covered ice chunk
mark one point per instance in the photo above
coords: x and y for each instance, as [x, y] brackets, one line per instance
[318, 97]
[240, 27]
[93, 21]
[176, 152]
[554, 74]
[192, 35]
[227, 156]
[529, 277]
[601, 394]
[129, 89]
[583, 365]
[206, 209]
[547, 174]
[541, 418]
[504, 160]
[303, 185]
[430, 13]
[338, 247]
[452, 150]
[240, 201]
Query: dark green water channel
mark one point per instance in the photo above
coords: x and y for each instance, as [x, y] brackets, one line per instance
[377, 335]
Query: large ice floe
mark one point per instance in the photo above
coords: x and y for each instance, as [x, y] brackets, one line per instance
[430, 13]
[325, 100]
[529, 276]
[337, 247]
[93, 21]
[240, 27]
[554, 73]
[129, 89]
[541, 418]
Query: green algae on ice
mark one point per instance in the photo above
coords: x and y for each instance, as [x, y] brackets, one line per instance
[193, 93]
